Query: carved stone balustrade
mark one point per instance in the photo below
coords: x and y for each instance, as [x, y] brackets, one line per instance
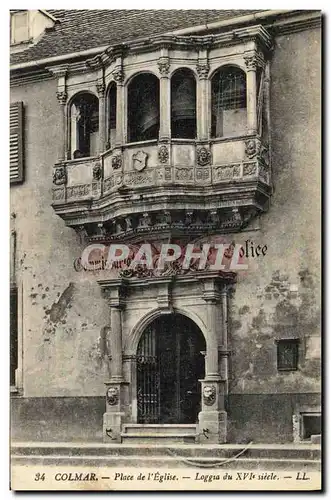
[150, 187]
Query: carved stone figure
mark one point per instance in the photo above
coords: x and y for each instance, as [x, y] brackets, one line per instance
[209, 395]
[112, 396]
[60, 176]
[203, 156]
[97, 172]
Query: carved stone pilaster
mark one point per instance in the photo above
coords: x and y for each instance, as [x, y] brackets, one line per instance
[164, 66]
[253, 60]
[101, 89]
[62, 97]
[203, 70]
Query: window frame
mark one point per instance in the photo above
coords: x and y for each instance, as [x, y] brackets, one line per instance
[13, 29]
[294, 342]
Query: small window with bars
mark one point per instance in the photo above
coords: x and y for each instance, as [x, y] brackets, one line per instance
[287, 354]
[16, 153]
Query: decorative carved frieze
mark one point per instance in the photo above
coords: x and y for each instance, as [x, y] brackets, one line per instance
[139, 160]
[249, 168]
[108, 184]
[116, 162]
[203, 70]
[167, 174]
[202, 174]
[60, 176]
[164, 66]
[227, 172]
[203, 156]
[170, 269]
[97, 171]
[139, 178]
[78, 191]
[62, 96]
[184, 174]
[163, 154]
[59, 194]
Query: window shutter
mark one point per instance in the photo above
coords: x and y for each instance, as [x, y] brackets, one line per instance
[16, 163]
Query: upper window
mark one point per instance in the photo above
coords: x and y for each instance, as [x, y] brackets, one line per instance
[183, 105]
[84, 121]
[19, 28]
[229, 115]
[143, 108]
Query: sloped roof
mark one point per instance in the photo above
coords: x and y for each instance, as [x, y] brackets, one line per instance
[78, 30]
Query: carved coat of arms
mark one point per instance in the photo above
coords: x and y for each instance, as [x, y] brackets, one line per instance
[139, 160]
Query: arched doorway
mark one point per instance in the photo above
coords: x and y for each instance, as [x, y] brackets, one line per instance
[170, 362]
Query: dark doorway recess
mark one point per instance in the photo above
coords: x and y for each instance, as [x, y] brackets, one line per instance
[170, 362]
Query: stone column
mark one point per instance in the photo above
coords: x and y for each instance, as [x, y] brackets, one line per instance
[102, 116]
[213, 417]
[116, 344]
[202, 101]
[112, 419]
[165, 99]
[223, 350]
[251, 65]
[118, 75]
[62, 98]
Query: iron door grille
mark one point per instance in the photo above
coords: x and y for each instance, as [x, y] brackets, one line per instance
[148, 383]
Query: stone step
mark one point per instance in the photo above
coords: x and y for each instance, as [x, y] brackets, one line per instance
[288, 451]
[266, 464]
[156, 429]
[157, 438]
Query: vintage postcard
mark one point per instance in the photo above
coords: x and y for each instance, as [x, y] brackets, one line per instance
[165, 284]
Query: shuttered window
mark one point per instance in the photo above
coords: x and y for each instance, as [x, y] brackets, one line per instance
[16, 156]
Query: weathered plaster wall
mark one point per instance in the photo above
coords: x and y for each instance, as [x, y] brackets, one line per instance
[279, 295]
[63, 311]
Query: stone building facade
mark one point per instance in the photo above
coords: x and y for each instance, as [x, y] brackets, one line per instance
[205, 130]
